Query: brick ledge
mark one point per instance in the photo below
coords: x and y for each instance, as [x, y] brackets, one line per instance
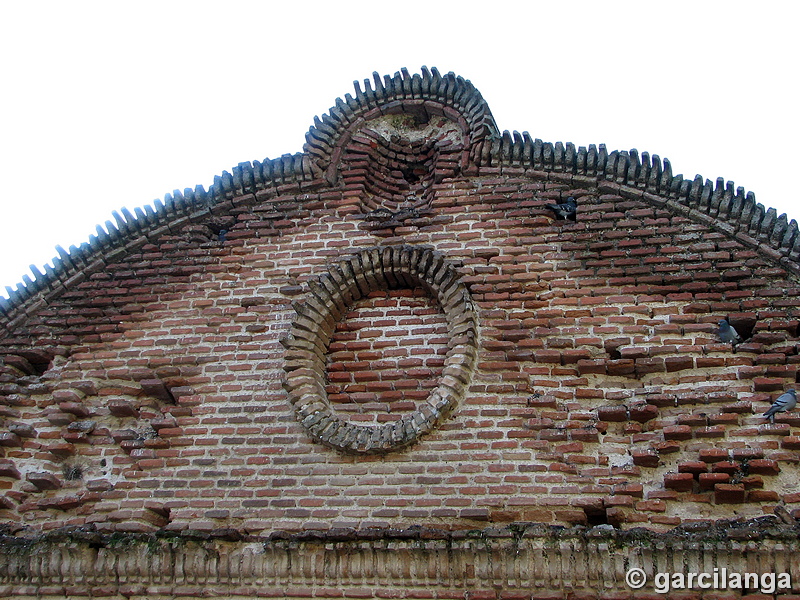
[539, 560]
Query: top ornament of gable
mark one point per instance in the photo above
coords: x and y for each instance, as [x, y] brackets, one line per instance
[405, 103]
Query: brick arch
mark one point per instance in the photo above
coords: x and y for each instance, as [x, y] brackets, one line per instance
[422, 97]
[353, 278]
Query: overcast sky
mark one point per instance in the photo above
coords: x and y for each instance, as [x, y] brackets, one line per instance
[111, 104]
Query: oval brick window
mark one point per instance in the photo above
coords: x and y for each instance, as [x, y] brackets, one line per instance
[420, 366]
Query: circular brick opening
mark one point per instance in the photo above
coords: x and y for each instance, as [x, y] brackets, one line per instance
[337, 299]
[386, 356]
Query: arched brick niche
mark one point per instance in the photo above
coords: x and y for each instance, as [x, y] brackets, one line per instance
[445, 109]
[393, 161]
[333, 296]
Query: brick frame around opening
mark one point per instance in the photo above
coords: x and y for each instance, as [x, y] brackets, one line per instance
[328, 299]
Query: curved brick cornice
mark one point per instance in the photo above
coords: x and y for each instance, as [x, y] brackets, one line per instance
[643, 176]
[650, 178]
[330, 296]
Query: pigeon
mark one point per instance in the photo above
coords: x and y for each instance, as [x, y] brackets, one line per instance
[784, 403]
[728, 334]
[221, 235]
[564, 210]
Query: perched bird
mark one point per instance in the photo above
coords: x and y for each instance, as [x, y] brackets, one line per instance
[728, 334]
[784, 403]
[564, 210]
[221, 235]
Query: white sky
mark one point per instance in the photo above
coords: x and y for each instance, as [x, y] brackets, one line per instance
[111, 104]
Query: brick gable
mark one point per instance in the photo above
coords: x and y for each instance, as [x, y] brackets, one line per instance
[391, 330]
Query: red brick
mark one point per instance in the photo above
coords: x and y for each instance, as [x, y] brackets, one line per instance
[709, 480]
[10, 440]
[8, 469]
[666, 447]
[681, 482]
[677, 432]
[43, 481]
[725, 493]
[726, 467]
[615, 414]
[651, 506]
[762, 496]
[760, 466]
[645, 459]
[643, 413]
[713, 455]
[693, 467]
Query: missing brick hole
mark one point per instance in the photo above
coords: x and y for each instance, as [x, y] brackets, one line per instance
[412, 173]
[744, 327]
[28, 363]
[612, 347]
[41, 367]
[595, 516]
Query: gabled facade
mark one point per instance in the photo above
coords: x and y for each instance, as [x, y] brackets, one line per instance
[386, 366]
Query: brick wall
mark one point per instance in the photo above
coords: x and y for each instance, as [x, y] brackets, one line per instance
[392, 329]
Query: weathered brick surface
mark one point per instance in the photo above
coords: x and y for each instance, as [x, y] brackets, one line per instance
[494, 562]
[393, 330]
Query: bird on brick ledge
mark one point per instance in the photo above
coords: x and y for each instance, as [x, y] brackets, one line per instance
[728, 334]
[784, 403]
[565, 210]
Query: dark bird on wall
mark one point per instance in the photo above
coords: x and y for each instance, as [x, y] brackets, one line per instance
[564, 210]
[728, 334]
[784, 403]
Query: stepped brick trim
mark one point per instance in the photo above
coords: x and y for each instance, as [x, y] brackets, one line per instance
[330, 296]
